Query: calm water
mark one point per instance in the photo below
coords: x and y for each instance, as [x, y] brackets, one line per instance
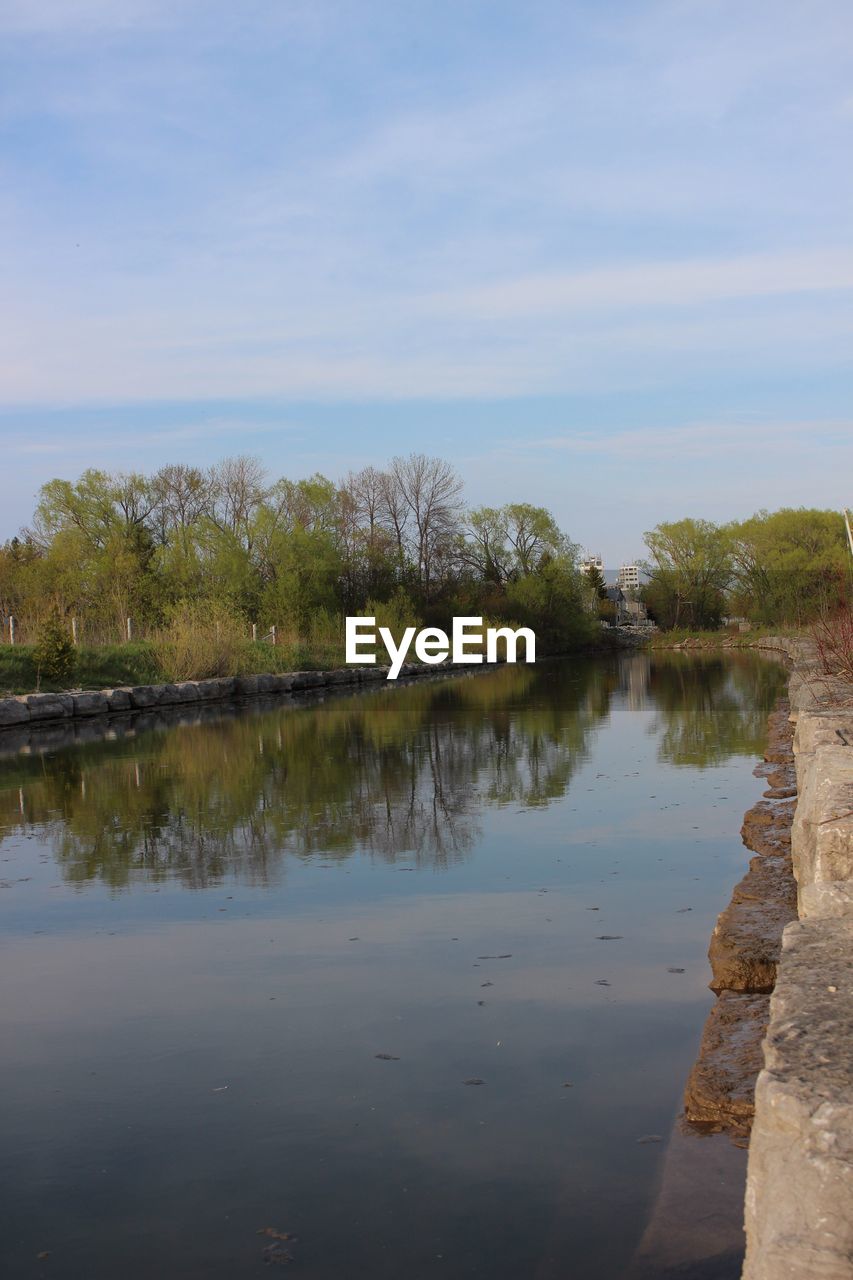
[211, 931]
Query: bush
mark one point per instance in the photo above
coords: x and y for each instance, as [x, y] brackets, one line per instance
[202, 639]
[833, 635]
[54, 656]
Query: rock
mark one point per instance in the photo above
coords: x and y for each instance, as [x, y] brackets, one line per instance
[747, 939]
[720, 1089]
[117, 699]
[13, 711]
[144, 695]
[89, 704]
[800, 1180]
[767, 827]
[50, 706]
[187, 691]
[246, 686]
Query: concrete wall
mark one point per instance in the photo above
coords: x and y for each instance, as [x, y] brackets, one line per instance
[799, 1198]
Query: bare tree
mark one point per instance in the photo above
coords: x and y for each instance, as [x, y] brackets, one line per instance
[430, 492]
[237, 488]
[183, 497]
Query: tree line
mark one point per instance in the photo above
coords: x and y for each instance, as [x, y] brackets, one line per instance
[397, 541]
[780, 568]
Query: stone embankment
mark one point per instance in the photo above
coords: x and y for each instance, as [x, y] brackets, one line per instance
[744, 953]
[799, 1199]
[42, 708]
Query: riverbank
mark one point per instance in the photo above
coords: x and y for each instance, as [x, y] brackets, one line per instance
[39, 708]
[707, 1149]
[799, 1194]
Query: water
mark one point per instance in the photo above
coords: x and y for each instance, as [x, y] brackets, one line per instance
[211, 931]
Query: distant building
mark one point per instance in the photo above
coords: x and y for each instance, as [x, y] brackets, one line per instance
[630, 612]
[590, 561]
[628, 577]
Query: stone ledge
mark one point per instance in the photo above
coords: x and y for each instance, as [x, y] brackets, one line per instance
[800, 1182]
[36, 708]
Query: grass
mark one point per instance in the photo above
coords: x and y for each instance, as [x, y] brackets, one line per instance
[103, 667]
[108, 666]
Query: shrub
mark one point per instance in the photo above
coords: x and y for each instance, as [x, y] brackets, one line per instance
[833, 635]
[54, 656]
[202, 639]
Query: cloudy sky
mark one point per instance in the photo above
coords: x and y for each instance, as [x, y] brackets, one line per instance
[598, 253]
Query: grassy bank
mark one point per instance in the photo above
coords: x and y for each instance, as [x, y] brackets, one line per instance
[109, 666]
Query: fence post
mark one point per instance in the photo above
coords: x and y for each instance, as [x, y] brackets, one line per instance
[272, 632]
[11, 629]
[73, 630]
[254, 633]
[129, 631]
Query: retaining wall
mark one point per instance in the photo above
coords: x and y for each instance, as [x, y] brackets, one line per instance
[39, 708]
[799, 1197]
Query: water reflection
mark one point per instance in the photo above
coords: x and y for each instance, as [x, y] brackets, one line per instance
[182, 1070]
[712, 708]
[388, 773]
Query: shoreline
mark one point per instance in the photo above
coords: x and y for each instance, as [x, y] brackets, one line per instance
[707, 1158]
[799, 1191]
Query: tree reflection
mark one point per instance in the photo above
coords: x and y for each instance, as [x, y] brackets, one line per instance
[398, 772]
[712, 707]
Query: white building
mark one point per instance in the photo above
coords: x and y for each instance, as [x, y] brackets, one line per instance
[629, 577]
[589, 561]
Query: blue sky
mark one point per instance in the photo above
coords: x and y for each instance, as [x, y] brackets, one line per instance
[599, 255]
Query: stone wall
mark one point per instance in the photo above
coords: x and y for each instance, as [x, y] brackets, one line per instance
[799, 1198]
[40, 708]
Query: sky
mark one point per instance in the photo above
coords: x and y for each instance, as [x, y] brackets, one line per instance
[597, 254]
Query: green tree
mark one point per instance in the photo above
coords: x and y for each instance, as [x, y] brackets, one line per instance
[790, 566]
[690, 572]
[54, 656]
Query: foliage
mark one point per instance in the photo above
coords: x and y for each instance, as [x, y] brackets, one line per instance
[595, 578]
[201, 640]
[789, 566]
[781, 568]
[691, 570]
[54, 655]
[395, 543]
[833, 635]
[101, 667]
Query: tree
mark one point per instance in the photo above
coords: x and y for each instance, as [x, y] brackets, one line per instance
[692, 567]
[595, 578]
[423, 497]
[789, 565]
[54, 656]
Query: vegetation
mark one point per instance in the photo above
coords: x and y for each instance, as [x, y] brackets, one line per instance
[194, 558]
[54, 655]
[100, 667]
[833, 636]
[777, 569]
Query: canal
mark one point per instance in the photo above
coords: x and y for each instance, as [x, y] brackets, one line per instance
[403, 983]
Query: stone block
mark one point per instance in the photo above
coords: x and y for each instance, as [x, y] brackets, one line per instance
[50, 706]
[747, 939]
[117, 699]
[13, 711]
[799, 1201]
[89, 703]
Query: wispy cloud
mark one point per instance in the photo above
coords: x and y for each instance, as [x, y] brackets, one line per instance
[687, 283]
[708, 440]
